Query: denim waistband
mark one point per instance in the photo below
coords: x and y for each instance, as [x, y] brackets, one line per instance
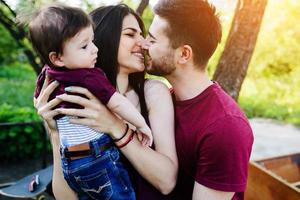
[95, 145]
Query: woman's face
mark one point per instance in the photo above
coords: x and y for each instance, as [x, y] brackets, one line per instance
[130, 55]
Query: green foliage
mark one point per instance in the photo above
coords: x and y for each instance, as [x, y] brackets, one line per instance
[147, 17]
[17, 85]
[16, 90]
[20, 142]
[9, 51]
[272, 86]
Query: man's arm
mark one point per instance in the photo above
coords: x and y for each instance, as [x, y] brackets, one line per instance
[202, 192]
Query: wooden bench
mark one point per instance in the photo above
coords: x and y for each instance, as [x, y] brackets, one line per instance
[274, 179]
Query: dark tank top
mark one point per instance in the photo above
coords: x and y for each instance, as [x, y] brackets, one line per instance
[143, 189]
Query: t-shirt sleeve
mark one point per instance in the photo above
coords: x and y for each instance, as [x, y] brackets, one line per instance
[223, 155]
[98, 84]
[39, 82]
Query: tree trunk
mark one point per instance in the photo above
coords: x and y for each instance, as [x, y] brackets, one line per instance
[233, 64]
[143, 5]
[19, 35]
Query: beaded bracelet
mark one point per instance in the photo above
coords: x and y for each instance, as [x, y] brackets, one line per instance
[127, 141]
[125, 133]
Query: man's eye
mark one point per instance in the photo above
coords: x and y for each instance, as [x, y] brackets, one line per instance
[151, 41]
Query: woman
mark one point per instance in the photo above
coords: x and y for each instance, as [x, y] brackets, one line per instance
[119, 36]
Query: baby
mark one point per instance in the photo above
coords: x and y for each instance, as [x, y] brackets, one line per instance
[63, 36]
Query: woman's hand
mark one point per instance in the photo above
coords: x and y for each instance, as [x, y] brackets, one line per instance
[44, 108]
[94, 115]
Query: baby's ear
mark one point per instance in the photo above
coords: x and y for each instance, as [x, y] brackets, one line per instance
[56, 59]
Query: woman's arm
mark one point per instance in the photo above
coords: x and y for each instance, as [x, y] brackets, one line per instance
[44, 108]
[60, 187]
[149, 163]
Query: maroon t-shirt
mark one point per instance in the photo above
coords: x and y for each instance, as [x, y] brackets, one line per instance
[93, 79]
[213, 142]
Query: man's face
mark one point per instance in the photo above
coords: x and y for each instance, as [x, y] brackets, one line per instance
[160, 50]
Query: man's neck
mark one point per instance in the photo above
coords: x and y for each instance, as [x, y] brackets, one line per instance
[189, 83]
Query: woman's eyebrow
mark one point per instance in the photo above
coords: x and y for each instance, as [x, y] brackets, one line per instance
[130, 28]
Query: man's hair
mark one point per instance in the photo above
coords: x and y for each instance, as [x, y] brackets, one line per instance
[53, 25]
[191, 22]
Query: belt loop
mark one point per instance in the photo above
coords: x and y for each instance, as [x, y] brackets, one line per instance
[94, 146]
[62, 151]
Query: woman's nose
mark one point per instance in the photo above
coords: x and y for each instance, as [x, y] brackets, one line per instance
[146, 44]
[140, 40]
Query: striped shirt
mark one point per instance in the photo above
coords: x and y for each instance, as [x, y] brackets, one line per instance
[72, 134]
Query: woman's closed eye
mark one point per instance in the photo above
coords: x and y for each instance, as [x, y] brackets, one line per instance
[130, 34]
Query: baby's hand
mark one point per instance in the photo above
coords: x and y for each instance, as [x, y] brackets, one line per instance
[145, 136]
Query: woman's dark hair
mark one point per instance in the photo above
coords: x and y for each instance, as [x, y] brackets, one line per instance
[108, 21]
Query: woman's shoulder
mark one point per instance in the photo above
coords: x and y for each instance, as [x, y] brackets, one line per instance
[152, 85]
[156, 90]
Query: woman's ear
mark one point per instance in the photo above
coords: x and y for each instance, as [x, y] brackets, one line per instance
[56, 59]
[185, 54]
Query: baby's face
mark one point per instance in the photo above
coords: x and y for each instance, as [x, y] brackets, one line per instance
[80, 51]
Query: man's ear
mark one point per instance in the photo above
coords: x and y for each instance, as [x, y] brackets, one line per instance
[185, 54]
[56, 59]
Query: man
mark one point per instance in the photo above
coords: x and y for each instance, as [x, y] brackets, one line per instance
[213, 136]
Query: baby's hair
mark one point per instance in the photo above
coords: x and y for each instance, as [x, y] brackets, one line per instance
[51, 26]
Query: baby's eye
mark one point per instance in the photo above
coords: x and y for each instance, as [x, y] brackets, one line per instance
[84, 47]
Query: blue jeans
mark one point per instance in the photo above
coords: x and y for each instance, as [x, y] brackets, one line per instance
[101, 176]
